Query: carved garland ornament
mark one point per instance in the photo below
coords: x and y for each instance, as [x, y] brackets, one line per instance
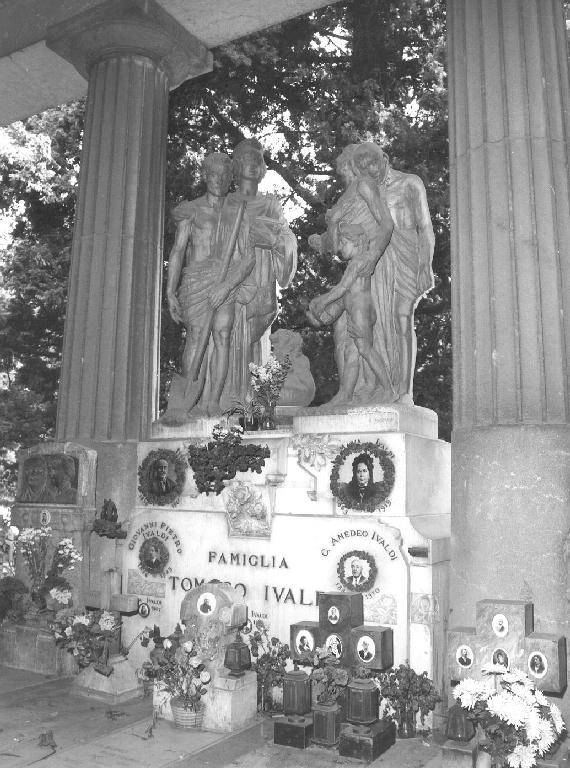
[381, 489]
[157, 490]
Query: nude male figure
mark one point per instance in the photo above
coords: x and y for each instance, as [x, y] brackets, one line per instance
[197, 295]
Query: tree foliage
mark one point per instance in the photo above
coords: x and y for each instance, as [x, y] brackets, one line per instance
[358, 70]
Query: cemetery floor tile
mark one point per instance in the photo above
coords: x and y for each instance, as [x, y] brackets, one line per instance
[88, 734]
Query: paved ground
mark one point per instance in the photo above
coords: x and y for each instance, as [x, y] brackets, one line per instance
[45, 722]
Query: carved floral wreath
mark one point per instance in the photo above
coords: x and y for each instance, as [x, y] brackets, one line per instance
[382, 489]
[372, 571]
[147, 489]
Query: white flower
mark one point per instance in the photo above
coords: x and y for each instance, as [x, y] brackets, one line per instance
[61, 595]
[68, 631]
[493, 669]
[167, 644]
[107, 621]
[522, 757]
[194, 662]
[205, 677]
[546, 738]
[470, 691]
[509, 708]
[188, 645]
[541, 698]
[82, 618]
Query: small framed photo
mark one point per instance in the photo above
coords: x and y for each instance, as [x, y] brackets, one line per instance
[464, 656]
[537, 664]
[144, 610]
[366, 648]
[304, 642]
[501, 657]
[500, 624]
[333, 614]
[334, 644]
[206, 603]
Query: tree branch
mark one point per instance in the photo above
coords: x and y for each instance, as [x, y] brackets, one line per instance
[288, 176]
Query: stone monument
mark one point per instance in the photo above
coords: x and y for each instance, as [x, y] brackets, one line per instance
[382, 227]
[229, 254]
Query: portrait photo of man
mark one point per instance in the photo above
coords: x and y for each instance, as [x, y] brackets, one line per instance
[160, 482]
[333, 614]
[464, 656]
[365, 648]
[357, 571]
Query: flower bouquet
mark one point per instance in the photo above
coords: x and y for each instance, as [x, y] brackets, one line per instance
[408, 694]
[267, 382]
[518, 721]
[180, 674]
[87, 635]
[269, 659]
[33, 545]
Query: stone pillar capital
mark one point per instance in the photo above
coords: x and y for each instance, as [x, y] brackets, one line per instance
[130, 27]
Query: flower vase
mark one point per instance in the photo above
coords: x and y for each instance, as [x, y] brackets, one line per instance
[268, 418]
[407, 726]
[186, 718]
[326, 724]
[249, 423]
[38, 599]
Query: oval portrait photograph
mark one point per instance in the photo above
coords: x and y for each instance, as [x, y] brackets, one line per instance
[501, 657]
[537, 664]
[153, 557]
[500, 624]
[334, 645]
[362, 476]
[464, 656]
[162, 475]
[304, 642]
[206, 604]
[357, 571]
[366, 648]
[333, 614]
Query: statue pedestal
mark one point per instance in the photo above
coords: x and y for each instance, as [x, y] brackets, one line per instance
[232, 702]
[122, 685]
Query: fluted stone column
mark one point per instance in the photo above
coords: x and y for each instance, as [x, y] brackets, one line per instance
[132, 53]
[509, 128]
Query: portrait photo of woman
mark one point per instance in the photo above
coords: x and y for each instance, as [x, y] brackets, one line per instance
[362, 486]
[362, 477]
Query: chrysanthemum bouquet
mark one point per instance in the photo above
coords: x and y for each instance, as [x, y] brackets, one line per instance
[518, 721]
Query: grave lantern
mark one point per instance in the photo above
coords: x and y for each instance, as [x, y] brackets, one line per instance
[362, 701]
[296, 692]
[237, 658]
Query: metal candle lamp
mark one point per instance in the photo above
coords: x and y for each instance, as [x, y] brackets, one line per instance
[296, 692]
[237, 657]
[362, 701]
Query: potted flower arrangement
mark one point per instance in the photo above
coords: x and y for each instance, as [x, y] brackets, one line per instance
[180, 675]
[87, 635]
[269, 661]
[408, 694]
[223, 457]
[329, 681]
[267, 382]
[518, 722]
[33, 545]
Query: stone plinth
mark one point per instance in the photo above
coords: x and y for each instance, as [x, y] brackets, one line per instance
[365, 420]
[121, 685]
[34, 649]
[232, 702]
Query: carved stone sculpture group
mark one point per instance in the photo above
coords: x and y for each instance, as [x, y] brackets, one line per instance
[232, 250]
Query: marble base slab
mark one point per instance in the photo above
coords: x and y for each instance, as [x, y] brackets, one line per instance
[120, 686]
[367, 419]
